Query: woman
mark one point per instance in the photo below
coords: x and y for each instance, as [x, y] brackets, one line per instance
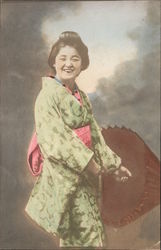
[64, 198]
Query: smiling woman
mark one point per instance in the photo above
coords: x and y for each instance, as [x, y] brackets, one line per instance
[64, 200]
[67, 64]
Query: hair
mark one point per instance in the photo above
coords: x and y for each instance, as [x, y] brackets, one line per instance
[72, 39]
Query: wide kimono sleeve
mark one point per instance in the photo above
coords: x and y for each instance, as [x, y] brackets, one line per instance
[57, 141]
[103, 155]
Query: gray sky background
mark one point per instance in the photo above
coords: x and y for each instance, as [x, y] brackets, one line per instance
[131, 96]
[123, 82]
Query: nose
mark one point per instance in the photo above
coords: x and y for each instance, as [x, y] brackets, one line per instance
[68, 63]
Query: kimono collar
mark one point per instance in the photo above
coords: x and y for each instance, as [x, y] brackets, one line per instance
[72, 92]
[49, 80]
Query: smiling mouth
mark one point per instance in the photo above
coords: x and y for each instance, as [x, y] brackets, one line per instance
[68, 70]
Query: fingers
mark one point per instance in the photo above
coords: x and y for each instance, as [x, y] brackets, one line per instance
[124, 179]
[121, 179]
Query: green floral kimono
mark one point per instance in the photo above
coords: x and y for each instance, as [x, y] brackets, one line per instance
[64, 198]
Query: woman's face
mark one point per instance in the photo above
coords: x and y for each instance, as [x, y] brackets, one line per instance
[68, 63]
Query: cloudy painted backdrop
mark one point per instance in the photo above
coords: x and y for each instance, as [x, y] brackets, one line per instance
[122, 81]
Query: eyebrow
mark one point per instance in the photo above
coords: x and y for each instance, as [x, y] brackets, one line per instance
[75, 56]
[72, 56]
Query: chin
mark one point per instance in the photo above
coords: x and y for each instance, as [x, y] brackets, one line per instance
[68, 77]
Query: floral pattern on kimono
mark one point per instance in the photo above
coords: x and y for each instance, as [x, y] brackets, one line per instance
[63, 199]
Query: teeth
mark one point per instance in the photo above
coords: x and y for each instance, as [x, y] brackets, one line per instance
[68, 71]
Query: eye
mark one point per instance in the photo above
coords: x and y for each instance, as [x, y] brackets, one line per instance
[62, 59]
[75, 59]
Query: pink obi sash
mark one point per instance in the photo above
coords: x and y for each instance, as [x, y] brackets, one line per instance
[84, 134]
[35, 157]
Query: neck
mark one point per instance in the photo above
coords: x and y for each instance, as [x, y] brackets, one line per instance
[69, 83]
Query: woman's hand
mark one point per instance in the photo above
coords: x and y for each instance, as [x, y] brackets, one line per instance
[122, 174]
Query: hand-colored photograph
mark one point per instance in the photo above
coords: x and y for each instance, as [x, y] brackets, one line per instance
[80, 125]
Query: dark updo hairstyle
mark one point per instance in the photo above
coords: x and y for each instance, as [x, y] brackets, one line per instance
[72, 39]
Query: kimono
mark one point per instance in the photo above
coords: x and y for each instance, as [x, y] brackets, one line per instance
[63, 200]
